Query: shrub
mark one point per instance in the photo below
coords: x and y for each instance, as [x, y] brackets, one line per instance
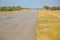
[52, 8]
[10, 8]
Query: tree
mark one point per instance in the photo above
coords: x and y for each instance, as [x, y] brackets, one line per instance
[10, 8]
[46, 7]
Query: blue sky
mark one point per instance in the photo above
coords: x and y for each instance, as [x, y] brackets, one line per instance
[30, 3]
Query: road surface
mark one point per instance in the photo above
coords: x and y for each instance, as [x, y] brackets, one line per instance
[19, 26]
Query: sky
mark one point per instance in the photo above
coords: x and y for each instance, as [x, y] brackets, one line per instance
[30, 3]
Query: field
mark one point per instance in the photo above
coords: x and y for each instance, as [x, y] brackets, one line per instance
[48, 25]
[13, 12]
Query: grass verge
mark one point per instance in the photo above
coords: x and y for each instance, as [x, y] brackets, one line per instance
[48, 25]
[13, 12]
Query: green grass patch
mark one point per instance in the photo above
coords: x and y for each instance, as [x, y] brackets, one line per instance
[47, 21]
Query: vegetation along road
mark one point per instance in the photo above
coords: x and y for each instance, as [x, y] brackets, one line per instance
[19, 26]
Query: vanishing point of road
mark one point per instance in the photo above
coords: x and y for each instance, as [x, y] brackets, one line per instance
[18, 26]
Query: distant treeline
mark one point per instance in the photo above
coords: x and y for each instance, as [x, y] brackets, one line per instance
[52, 8]
[11, 8]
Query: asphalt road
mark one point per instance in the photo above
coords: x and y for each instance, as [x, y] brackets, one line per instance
[19, 26]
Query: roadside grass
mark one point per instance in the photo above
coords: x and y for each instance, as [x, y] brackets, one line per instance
[13, 12]
[48, 25]
[47, 21]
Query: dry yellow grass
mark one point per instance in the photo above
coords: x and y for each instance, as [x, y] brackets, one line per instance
[13, 12]
[48, 25]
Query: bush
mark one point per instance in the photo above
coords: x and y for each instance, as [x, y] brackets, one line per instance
[46, 7]
[10, 8]
[52, 8]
